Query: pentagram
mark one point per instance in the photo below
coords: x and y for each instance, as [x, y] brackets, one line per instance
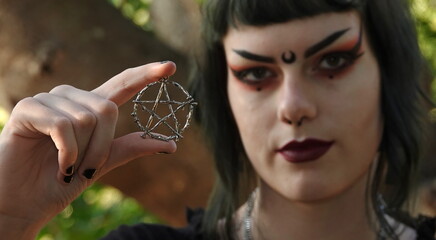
[154, 120]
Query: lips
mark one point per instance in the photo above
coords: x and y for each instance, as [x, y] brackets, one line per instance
[305, 151]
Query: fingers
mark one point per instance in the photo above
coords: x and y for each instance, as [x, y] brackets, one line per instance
[132, 146]
[81, 124]
[125, 85]
[94, 144]
[99, 141]
[33, 120]
[82, 120]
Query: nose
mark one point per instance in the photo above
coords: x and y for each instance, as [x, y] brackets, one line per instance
[296, 102]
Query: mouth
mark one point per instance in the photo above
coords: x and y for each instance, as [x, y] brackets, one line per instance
[305, 151]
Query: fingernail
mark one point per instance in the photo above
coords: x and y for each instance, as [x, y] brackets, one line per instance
[70, 170]
[89, 173]
[163, 153]
[68, 179]
[162, 62]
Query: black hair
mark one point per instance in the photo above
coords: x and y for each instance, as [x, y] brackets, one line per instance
[392, 37]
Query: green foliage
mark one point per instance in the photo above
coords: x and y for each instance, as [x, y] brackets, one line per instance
[135, 10]
[425, 15]
[96, 212]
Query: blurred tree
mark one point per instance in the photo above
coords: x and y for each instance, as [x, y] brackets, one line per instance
[424, 12]
[83, 43]
[96, 212]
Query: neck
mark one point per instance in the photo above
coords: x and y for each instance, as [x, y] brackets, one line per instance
[343, 217]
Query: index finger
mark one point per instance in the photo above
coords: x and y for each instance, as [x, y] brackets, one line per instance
[125, 85]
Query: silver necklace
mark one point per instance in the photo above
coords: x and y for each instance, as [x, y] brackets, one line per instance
[248, 220]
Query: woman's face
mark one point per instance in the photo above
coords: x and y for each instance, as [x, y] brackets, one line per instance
[305, 96]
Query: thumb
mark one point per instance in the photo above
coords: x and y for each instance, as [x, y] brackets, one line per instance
[131, 146]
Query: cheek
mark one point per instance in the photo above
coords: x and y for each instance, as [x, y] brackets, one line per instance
[360, 118]
[249, 113]
[241, 108]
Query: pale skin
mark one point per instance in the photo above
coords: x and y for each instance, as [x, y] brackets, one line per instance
[48, 133]
[336, 99]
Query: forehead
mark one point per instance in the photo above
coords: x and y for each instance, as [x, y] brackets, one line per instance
[299, 33]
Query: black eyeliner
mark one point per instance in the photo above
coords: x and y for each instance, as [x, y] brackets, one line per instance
[350, 55]
[241, 74]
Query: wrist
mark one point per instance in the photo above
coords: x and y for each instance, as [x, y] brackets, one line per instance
[18, 228]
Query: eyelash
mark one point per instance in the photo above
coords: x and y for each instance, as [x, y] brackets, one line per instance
[242, 75]
[345, 60]
[347, 57]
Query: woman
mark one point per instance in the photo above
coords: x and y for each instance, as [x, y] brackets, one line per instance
[326, 107]
[311, 108]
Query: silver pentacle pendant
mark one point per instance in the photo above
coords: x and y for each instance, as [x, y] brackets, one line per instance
[167, 114]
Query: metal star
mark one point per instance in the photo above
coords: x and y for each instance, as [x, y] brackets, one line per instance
[176, 129]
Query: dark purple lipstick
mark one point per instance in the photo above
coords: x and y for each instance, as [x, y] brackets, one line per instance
[305, 151]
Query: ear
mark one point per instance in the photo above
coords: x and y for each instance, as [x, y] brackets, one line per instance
[177, 23]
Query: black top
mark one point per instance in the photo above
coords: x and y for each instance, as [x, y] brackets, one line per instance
[161, 232]
[425, 228]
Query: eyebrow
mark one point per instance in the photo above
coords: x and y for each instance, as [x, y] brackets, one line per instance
[324, 43]
[254, 57]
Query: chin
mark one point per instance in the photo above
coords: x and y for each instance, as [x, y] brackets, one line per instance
[312, 195]
[313, 191]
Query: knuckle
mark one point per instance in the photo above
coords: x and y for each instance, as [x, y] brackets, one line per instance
[128, 71]
[61, 123]
[61, 88]
[107, 109]
[25, 102]
[41, 95]
[85, 119]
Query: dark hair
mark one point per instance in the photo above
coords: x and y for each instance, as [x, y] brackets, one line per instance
[393, 39]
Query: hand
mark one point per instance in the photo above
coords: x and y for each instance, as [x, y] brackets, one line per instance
[56, 144]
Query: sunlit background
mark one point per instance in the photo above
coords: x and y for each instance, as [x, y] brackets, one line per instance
[101, 209]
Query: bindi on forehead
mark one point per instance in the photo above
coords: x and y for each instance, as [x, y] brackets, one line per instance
[289, 57]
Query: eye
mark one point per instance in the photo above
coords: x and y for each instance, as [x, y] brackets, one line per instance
[336, 61]
[253, 75]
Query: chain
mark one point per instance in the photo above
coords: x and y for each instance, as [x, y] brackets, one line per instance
[248, 220]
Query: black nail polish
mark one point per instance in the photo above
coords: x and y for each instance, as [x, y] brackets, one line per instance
[89, 173]
[162, 62]
[70, 170]
[68, 179]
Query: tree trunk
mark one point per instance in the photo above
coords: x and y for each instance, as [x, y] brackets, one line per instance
[83, 43]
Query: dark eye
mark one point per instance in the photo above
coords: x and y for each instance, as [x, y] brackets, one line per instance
[335, 61]
[253, 75]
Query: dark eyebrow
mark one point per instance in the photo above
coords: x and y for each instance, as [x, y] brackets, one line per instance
[254, 57]
[324, 43]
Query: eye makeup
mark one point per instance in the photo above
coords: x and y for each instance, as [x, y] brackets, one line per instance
[336, 61]
[254, 76]
[330, 64]
[324, 43]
